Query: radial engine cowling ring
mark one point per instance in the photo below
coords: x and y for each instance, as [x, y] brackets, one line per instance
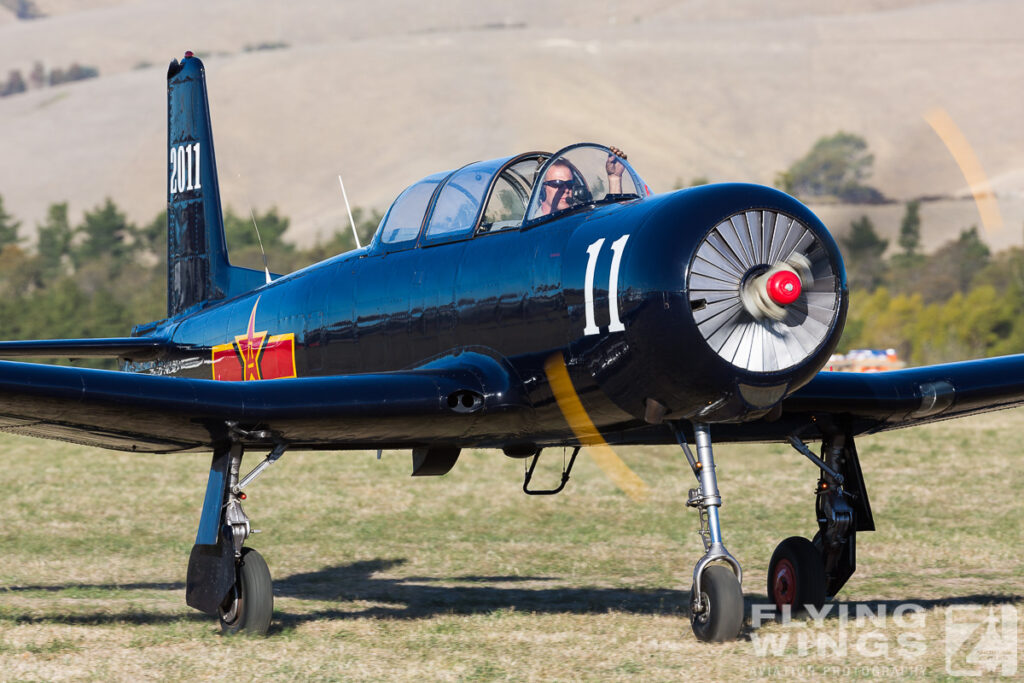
[764, 331]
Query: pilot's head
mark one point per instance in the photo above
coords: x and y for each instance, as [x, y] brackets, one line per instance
[558, 189]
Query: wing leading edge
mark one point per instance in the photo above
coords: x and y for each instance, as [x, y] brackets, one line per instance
[902, 398]
[149, 413]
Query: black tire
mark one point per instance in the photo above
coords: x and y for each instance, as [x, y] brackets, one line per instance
[796, 575]
[723, 599]
[250, 607]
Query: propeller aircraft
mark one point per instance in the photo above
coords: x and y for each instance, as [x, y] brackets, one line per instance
[534, 301]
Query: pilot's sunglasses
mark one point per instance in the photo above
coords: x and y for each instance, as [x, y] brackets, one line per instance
[559, 184]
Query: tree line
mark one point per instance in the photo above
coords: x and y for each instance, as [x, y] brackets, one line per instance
[101, 276]
[39, 77]
[960, 301]
[23, 9]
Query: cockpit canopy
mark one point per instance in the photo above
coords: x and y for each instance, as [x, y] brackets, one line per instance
[581, 175]
[506, 194]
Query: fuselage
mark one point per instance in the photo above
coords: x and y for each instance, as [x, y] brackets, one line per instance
[519, 297]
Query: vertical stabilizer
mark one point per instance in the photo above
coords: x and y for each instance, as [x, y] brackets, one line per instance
[198, 269]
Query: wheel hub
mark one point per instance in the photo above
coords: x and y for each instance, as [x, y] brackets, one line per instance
[229, 610]
[785, 583]
[705, 613]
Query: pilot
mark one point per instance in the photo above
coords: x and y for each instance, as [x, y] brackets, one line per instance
[558, 188]
[560, 181]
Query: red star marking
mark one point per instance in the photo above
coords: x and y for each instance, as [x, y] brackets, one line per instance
[250, 347]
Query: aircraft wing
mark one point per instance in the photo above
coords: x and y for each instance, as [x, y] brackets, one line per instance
[150, 413]
[901, 398]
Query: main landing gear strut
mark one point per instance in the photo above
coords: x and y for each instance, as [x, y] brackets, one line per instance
[802, 572]
[226, 579]
[716, 600]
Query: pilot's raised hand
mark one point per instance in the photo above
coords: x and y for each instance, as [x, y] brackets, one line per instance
[614, 167]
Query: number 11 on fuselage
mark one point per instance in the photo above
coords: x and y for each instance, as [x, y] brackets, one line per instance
[593, 250]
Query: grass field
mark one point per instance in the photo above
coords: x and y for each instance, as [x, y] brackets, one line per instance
[378, 576]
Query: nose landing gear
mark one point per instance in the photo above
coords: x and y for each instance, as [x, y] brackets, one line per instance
[716, 599]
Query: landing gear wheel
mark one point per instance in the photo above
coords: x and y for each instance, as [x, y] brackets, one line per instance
[796, 575]
[251, 605]
[723, 606]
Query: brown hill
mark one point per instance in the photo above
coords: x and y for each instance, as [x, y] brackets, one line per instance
[387, 92]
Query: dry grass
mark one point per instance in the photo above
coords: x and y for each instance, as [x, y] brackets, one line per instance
[464, 578]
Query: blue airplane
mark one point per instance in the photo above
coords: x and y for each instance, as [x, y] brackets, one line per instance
[533, 301]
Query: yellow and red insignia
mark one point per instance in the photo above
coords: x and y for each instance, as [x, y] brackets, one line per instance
[254, 355]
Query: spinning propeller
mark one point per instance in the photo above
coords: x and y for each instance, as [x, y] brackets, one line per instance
[598, 449]
[763, 290]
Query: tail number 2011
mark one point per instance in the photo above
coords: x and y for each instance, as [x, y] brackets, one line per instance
[185, 165]
[613, 286]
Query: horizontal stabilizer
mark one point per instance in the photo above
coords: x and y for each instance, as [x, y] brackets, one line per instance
[132, 348]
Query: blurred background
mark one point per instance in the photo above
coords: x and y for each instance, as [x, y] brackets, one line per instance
[898, 121]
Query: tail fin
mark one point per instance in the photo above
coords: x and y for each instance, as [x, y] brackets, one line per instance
[198, 269]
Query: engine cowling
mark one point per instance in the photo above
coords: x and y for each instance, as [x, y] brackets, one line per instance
[733, 296]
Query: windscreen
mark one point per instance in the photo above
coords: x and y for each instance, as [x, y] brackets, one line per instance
[581, 175]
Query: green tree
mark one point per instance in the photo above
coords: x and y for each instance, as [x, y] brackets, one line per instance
[54, 241]
[8, 227]
[78, 72]
[907, 265]
[882, 321]
[37, 76]
[1005, 272]
[862, 252]
[970, 255]
[105, 232]
[342, 241]
[240, 233]
[244, 244]
[836, 166]
[963, 326]
[26, 9]
[17, 272]
[952, 268]
[15, 84]
[152, 237]
[962, 259]
[910, 229]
